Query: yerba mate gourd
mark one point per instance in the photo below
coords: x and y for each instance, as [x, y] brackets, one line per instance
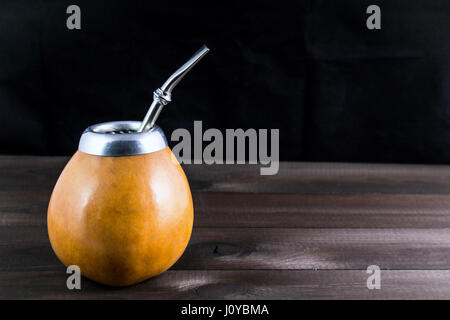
[122, 209]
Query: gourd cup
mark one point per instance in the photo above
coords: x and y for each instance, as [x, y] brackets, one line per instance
[121, 209]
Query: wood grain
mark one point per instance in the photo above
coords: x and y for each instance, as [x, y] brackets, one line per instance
[321, 211]
[29, 207]
[323, 178]
[212, 209]
[307, 233]
[18, 173]
[266, 248]
[253, 285]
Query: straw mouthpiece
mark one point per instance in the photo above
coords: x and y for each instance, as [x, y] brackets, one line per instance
[163, 95]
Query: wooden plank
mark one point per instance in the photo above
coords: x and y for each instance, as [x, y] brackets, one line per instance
[321, 211]
[28, 172]
[28, 248]
[308, 232]
[274, 248]
[24, 207]
[323, 178]
[245, 284]
[29, 207]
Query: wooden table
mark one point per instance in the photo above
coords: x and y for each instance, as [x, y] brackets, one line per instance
[309, 232]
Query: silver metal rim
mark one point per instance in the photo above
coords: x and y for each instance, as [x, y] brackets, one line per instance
[105, 139]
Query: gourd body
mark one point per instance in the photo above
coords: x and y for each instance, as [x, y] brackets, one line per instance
[121, 219]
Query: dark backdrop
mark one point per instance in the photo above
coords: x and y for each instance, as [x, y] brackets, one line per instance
[336, 90]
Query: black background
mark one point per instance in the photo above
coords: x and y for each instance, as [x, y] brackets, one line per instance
[336, 90]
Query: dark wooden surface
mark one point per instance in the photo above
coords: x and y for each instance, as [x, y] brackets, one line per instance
[309, 232]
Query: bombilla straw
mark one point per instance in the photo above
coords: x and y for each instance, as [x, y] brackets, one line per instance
[162, 96]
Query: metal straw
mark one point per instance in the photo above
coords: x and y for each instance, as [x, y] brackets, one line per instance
[162, 96]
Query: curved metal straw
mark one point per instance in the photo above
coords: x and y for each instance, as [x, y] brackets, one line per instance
[162, 96]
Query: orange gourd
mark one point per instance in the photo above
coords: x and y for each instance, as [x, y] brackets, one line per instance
[121, 219]
[122, 209]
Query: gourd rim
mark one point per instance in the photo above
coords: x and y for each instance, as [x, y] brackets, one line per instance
[120, 138]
